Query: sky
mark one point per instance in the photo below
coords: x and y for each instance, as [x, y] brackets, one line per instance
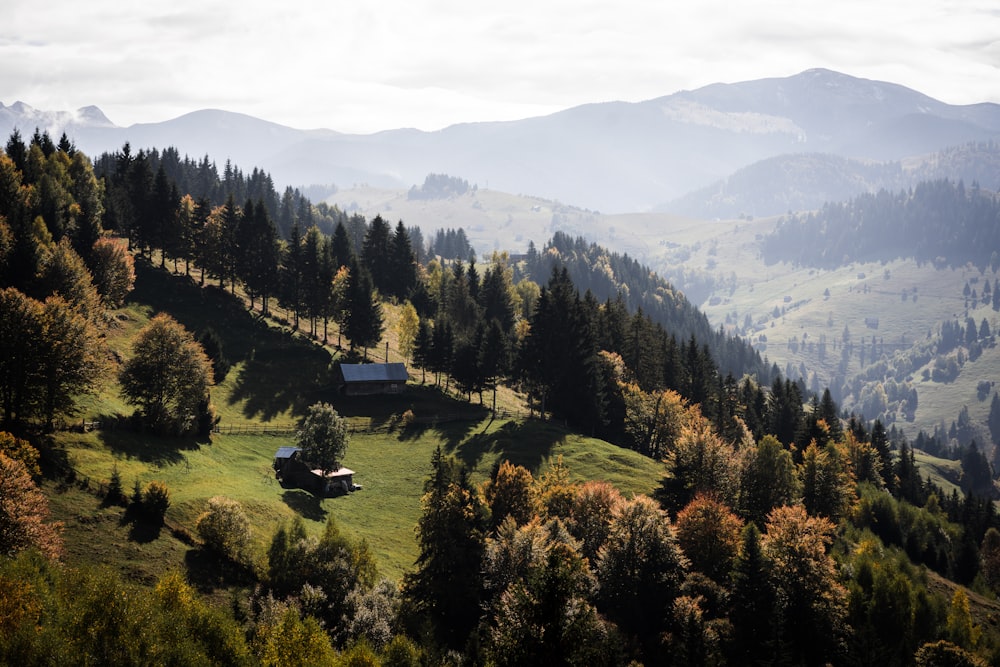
[361, 67]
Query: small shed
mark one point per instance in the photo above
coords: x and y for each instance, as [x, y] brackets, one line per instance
[292, 471]
[366, 379]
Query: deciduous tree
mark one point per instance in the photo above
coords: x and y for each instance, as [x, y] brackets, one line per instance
[224, 527]
[168, 376]
[323, 437]
[709, 534]
[24, 513]
[812, 604]
[113, 269]
[640, 570]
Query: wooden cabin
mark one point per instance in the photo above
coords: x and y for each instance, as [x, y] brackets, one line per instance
[367, 379]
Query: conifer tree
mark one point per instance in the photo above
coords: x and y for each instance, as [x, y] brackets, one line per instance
[364, 319]
[402, 266]
[260, 257]
[422, 349]
[375, 253]
[445, 588]
[752, 602]
[341, 249]
[290, 274]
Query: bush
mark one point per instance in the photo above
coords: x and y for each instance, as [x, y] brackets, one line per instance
[225, 528]
[155, 500]
[115, 494]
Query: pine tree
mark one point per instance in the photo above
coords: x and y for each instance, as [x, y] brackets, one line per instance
[364, 322]
[342, 252]
[402, 264]
[880, 442]
[375, 253]
[445, 588]
[290, 275]
[494, 357]
[422, 350]
[752, 603]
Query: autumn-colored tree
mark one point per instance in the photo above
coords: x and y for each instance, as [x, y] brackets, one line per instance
[709, 534]
[812, 604]
[71, 357]
[168, 377]
[24, 513]
[113, 269]
[863, 460]
[593, 507]
[64, 273]
[406, 329]
[554, 490]
[945, 654]
[827, 485]
[543, 616]
[21, 450]
[700, 462]
[961, 629]
[654, 421]
[640, 569]
[510, 493]
[52, 353]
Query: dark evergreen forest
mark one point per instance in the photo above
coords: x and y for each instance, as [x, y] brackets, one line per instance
[940, 222]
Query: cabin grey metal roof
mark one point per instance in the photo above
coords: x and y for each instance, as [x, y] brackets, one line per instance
[395, 372]
[285, 452]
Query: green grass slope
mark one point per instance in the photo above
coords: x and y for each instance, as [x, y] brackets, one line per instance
[274, 377]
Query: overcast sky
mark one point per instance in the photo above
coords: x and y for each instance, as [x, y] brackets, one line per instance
[367, 66]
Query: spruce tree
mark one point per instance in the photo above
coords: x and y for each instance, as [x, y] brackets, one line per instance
[445, 588]
[402, 264]
[375, 253]
[364, 323]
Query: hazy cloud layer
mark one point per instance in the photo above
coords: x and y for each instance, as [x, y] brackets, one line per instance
[363, 67]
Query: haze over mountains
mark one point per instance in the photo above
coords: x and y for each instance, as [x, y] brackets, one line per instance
[612, 157]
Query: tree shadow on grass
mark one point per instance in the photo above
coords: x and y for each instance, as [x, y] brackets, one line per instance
[527, 444]
[281, 371]
[207, 571]
[284, 374]
[142, 529]
[305, 504]
[158, 450]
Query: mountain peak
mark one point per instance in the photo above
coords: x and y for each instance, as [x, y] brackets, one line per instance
[92, 115]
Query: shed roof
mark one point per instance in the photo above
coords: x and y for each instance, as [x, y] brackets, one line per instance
[285, 452]
[395, 372]
[339, 472]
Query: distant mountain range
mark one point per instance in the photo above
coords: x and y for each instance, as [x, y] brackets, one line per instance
[612, 157]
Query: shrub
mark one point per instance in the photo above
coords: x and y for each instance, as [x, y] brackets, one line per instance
[225, 528]
[115, 494]
[156, 500]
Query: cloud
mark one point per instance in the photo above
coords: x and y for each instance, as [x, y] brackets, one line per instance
[429, 63]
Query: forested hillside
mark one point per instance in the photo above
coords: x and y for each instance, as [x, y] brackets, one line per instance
[779, 532]
[943, 222]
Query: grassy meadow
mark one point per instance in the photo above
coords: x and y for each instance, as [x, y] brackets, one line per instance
[274, 376]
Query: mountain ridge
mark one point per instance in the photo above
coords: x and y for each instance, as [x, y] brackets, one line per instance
[610, 156]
